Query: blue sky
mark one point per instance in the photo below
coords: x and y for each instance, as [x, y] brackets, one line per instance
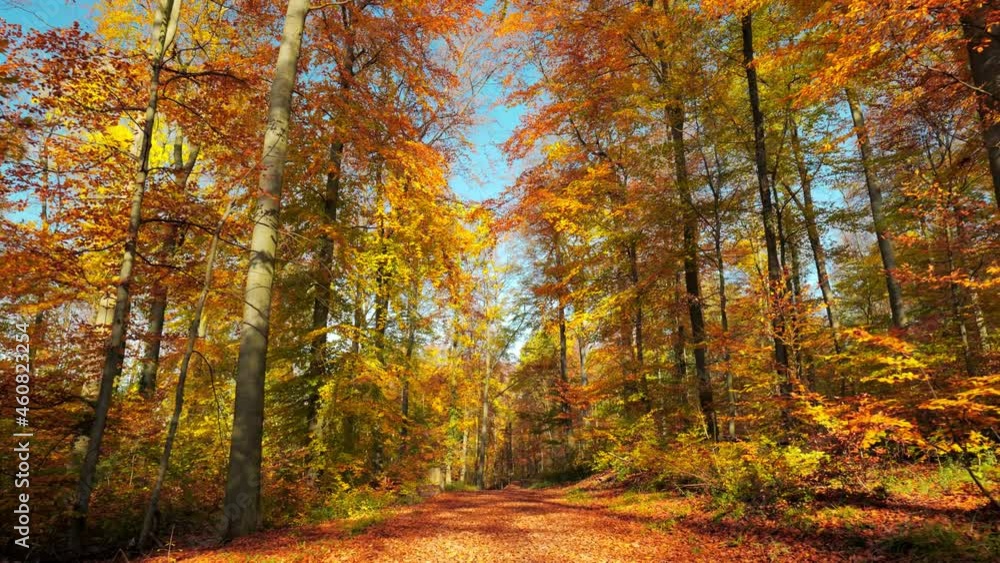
[485, 172]
[44, 14]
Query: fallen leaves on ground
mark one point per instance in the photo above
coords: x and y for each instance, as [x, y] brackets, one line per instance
[578, 525]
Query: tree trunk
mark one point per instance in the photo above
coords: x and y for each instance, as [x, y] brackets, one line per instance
[411, 343]
[724, 321]
[983, 45]
[878, 217]
[157, 311]
[642, 406]
[786, 254]
[692, 283]
[563, 346]
[958, 307]
[317, 368]
[484, 425]
[465, 456]
[680, 335]
[242, 503]
[150, 363]
[165, 28]
[803, 358]
[774, 272]
[721, 278]
[381, 325]
[812, 233]
[206, 288]
[350, 426]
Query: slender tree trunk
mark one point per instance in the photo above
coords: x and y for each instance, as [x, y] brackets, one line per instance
[878, 216]
[803, 357]
[563, 347]
[642, 406]
[206, 288]
[812, 233]
[465, 456]
[563, 374]
[581, 350]
[157, 311]
[958, 308]
[316, 371]
[381, 321]
[680, 334]
[484, 425]
[150, 363]
[508, 450]
[692, 266]
[39, 325]
[350, 428]
[165, 28]
[981, 329]
[721, 278]
[242, 503]
[724, 321]
[788, 255]
[774, 272]
[411, 342]
[983, 44]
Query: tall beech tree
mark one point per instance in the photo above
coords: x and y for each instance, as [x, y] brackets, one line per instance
[242, 504]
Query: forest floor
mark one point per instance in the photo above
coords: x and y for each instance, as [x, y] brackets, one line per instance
[592, 523]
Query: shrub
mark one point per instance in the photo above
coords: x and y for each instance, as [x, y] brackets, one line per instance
[763, 473]
[757, 473]
[351, 503]
[941, 542]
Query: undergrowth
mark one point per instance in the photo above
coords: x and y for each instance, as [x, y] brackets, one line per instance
[936, 541]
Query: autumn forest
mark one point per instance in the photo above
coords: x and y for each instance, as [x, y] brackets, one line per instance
[516, 280]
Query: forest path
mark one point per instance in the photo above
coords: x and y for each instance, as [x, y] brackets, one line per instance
[513, 524]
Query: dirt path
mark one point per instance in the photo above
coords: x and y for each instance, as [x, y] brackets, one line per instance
[508, 525]
[594, 524]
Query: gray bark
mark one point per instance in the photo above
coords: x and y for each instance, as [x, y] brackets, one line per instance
[642, 406]
[411, 343]
[812, 233]
[242, 502]
[465, 456]
[563, 347]
[881, 226]
[720, 265]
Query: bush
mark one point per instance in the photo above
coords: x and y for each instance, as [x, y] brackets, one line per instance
[763, 473]
[756, 473]
[634, 452]
[351, 503]
[935, 541]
